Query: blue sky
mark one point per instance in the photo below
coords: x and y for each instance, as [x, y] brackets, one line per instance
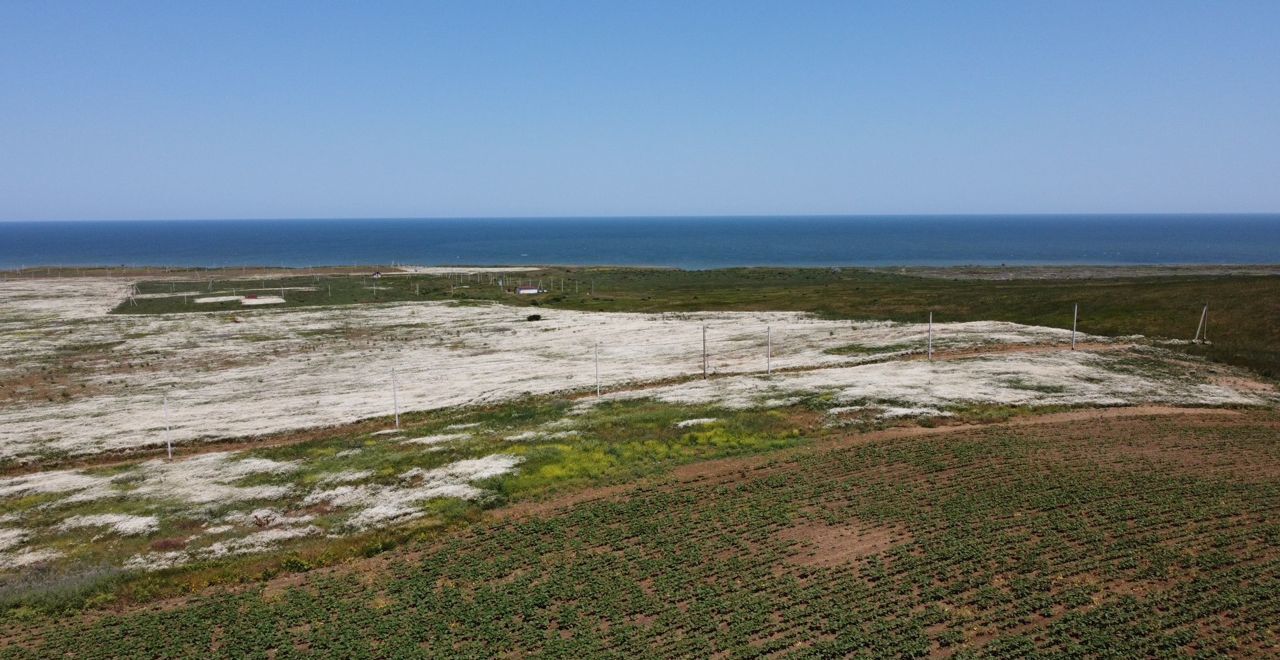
[322, 109]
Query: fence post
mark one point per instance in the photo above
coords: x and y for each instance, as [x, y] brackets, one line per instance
[704, 351]
[931, 336]
[1204, 316]
[1075, 319]
[168, 431]
[768, 350]
[395, 396]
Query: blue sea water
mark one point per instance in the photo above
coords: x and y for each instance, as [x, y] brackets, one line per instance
[691, 243]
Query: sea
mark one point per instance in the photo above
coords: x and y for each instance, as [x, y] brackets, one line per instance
[677, 242]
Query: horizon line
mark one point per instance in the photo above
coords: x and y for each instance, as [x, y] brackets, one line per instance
[719, 216]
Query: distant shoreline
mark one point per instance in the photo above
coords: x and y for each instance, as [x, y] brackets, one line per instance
[970, 272]
[928, 242]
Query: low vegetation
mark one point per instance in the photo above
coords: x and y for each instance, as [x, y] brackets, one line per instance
[981, 505]
[338, 495]
[1244, 321]
[1141, 536]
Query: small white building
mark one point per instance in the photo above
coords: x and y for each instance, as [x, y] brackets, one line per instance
[528, 290]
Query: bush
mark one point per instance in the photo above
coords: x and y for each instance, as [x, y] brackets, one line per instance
[533, 317]
[295, 564]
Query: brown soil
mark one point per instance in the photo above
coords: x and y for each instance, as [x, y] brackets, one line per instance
[819, 545]
[1239, 383]
[834, 545]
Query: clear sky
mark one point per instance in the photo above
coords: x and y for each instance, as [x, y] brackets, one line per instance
[114, 109]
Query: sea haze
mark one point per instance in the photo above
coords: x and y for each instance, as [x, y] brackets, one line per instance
[691, 243]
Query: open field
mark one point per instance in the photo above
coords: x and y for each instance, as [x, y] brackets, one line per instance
[147, 379]
[1165, 302]
[287, 459]
[1133, 536]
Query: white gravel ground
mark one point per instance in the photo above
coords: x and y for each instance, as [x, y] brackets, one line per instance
[1046, 378]
[122, 524]
[273, 370]
[11, 536]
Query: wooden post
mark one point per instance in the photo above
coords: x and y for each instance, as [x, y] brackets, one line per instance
[597, 355]
[395, 397]
[704, 352]
[1075, 319]
[768, 350]
[1200, 329]
[168, 438]
[931, 336]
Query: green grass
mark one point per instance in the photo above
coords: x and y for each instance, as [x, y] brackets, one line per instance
[327, 290]
[1244, 317]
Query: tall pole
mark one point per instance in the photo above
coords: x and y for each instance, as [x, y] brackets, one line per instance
[168, 435]
[931, 336]
[597, 355]
[704, 352]
[768, 350]
[395, 396]
[1075, 319]
[1204, 316]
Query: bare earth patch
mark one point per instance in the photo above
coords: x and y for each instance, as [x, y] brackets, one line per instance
[844, 544]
